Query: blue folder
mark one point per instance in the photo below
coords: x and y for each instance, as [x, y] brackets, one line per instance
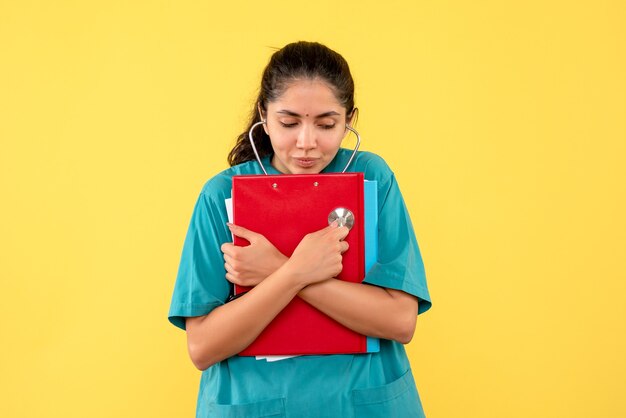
[371, 240]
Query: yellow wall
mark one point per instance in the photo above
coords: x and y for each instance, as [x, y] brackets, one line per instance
[505, 124]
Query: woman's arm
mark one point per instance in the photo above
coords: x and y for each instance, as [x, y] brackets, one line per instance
[230, 328]
[369, 310]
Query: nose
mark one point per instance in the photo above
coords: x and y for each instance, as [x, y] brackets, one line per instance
[306, 138]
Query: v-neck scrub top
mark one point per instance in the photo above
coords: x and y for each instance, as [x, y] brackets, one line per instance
[335, 386]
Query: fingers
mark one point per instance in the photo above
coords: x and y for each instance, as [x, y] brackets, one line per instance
[342, 232]
[230, 269]
[338, 232]
[333, 233]
[235, 276]
[334, 224]
[227, 248]
[234, 279]
[242, 232]
[333, 227]
[229, 259]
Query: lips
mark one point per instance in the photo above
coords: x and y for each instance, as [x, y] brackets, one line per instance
[305, 162]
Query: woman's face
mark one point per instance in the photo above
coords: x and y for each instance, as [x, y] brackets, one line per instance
[306, 125]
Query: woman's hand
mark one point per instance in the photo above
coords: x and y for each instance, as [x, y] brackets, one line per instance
[318, 257]
[249, 266]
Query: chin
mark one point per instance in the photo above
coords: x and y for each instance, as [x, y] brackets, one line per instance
[300, 170]
[292, 166]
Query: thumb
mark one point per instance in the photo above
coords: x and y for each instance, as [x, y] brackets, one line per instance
[242, 232]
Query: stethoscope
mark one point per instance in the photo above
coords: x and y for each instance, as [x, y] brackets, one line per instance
[262, 122]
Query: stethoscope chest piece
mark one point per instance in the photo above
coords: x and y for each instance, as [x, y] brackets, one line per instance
[343, 216]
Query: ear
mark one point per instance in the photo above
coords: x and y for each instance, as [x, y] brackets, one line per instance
[351, 120]
[352, 117]
[258, 108]
[262, 116]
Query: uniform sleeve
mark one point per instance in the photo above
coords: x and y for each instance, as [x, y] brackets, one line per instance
[201, 285]
[399, 263]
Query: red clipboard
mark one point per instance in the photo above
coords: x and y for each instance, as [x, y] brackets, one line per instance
[284, 208]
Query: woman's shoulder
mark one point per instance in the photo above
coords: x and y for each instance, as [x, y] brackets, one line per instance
[373, 166]
[219, 186]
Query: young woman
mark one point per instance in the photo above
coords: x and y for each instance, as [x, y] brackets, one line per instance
[306, 104]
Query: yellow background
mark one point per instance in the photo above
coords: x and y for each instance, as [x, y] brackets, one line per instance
[504, 122]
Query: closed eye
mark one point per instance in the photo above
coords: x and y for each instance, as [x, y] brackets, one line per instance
[293, 124]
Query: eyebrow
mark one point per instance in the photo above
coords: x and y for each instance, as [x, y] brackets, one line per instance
[294, 114]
